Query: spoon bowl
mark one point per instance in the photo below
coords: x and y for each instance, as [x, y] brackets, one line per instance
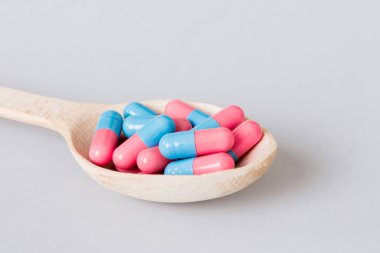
[76, 122]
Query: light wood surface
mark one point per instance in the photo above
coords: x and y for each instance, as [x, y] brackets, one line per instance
[76, 122]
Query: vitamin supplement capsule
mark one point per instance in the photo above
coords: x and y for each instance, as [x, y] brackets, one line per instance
[180, 110]
[230, 117]
[105, 138]
[124, 156]
[151, 161]
[247, 135]
[196, 143]
[134, 123]
[200, 165]
[136, 108]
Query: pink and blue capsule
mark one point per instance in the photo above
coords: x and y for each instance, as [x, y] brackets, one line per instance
[246, 135]
[134, 123]
[230, 117]
[136, 108]
[200, 165]
[180, 110]
[106, 136]
[124, 156]
[196, 143]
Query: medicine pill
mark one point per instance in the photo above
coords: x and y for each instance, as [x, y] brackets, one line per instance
[134, 123]
[124, 157]
[196, 143]
[200, 165]
[106, 137]
[136, 108]
[178, 109]
[151, 161]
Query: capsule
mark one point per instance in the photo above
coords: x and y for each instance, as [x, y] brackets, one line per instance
[247, 135]
[124, 156]
[106, 137]
[196, 143]
[151, 161]
[200, 165]
[230, 117]
[135, 123]
[180, 110]
[136, 108]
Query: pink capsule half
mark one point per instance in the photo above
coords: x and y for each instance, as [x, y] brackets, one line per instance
[247, 135]
[102, 146]
[151, 161]
[124, 156]
[213, 163]
[211, 141]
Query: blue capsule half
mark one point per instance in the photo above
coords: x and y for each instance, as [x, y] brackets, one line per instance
[196, 117]
[180, 167]
[136, 108]
[111, 120]
[178, 145]
[132, 124]
[152, 133]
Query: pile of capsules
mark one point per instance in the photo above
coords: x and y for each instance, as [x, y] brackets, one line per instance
[182, 141]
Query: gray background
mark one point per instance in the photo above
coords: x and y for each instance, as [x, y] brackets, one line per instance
[308, 71]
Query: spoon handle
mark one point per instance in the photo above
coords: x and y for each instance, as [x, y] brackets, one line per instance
[35, 109]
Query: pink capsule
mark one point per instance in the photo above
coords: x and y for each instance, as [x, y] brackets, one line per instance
[247, 135]
[151, 161]
[230, 117]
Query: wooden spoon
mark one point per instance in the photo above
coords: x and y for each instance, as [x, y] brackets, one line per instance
[76, 122]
